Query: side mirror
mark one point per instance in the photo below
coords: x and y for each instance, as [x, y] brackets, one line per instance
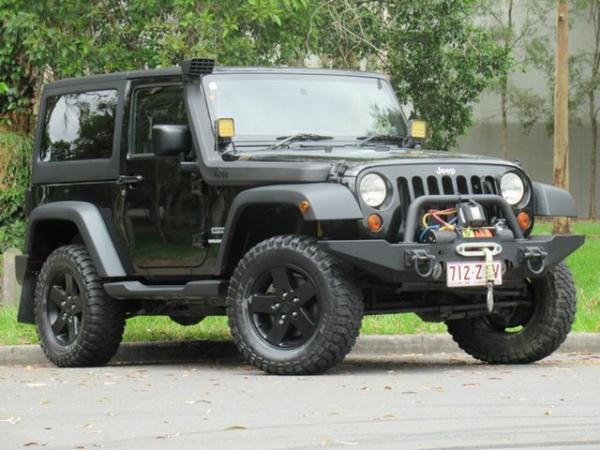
[170, 140]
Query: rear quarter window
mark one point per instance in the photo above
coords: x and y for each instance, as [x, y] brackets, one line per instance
[79, 126]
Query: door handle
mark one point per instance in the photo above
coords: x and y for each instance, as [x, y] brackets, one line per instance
[129, 179]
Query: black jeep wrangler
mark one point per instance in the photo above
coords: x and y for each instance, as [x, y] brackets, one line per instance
[292, 200]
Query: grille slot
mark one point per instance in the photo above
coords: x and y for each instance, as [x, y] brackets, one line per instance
[418, 188]
[447, 184]
[432, 185]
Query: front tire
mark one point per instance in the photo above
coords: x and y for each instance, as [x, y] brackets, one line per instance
[292, 307]
[77, 323]
[525, 336]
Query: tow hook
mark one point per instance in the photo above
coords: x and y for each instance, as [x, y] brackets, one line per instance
[487, 250]
[423, 262]
[489, 278]
[534, 258]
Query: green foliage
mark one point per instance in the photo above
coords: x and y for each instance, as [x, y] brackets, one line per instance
[437, 58]
[67, 38]
[15, 158]
[442, 66]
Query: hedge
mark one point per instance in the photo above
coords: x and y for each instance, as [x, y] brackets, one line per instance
[15, 173]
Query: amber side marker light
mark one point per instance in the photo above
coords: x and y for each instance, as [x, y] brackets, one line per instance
[374, 222]
[524, 220]
[304, 206]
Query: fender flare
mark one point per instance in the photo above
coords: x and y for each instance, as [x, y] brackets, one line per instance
[328, 201]
[553, 201]
[92, 228]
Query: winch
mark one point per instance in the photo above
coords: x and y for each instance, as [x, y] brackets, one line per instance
[466, 220]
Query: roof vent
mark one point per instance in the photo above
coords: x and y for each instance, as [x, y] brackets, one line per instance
[197, 67]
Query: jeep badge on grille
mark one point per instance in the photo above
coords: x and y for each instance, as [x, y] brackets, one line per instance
[445, 171]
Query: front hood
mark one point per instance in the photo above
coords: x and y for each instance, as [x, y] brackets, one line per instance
[356, 158]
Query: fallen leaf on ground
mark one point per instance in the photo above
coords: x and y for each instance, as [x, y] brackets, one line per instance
[167, 436]
[236, 427]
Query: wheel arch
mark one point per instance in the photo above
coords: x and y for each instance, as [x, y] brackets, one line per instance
[250, 208]
[552, 201]
[59, 223]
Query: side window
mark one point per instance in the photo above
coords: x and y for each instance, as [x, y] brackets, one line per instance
[79, 126]
[158, 105]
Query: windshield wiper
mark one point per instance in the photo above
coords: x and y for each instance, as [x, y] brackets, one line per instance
[389, 138]
[298, 138]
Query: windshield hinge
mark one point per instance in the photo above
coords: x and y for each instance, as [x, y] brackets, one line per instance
[337, 171]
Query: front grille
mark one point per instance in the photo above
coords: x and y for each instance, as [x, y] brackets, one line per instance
[417, 186]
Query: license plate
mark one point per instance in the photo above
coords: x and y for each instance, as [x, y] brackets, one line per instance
[466, 274]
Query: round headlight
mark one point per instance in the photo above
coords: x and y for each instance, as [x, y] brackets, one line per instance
[512, 188]
[373, 190]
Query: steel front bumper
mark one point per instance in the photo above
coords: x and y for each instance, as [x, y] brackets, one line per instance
[414, 262]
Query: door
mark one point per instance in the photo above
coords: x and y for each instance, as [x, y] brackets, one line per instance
[165, 209]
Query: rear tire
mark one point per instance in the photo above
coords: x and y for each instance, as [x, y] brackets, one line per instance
[292, 307]
[542, 330]
[77, 323]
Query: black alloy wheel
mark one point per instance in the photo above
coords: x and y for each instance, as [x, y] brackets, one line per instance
[64, 307]
[285, 306]
[527, 333]
[293, 308]
[78, 324]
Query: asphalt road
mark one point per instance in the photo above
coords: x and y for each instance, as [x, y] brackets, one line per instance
[401, 402]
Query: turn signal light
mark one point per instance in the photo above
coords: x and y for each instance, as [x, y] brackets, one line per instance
[374, 222]
[304, 206]
[524, 220]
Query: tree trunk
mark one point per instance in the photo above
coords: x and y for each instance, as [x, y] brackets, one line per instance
[503, 99]
[593, 159]
[504, 86]
[561, 108]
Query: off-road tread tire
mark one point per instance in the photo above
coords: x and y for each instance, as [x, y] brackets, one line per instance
[341, 328]
[549, 332]
[104, 318]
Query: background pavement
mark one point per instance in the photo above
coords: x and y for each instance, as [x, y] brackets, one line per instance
[396, 401]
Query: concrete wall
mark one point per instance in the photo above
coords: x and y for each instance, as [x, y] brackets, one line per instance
[535, 151]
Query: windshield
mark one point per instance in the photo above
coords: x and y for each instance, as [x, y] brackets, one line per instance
[270, 106]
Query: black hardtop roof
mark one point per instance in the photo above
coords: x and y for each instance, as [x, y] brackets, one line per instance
[176, 71]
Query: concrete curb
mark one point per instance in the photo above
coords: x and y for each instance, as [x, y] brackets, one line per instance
[134, 353]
